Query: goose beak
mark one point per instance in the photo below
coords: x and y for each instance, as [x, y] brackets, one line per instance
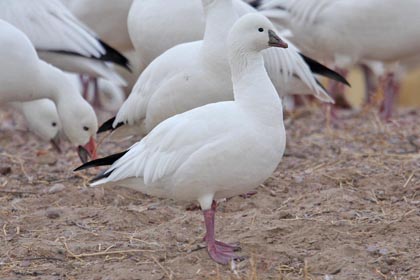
[87, 151]
[55, 142]
[275, 41]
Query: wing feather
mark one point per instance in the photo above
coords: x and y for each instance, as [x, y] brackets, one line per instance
[169, 145]
[282, 64]
[51, 26]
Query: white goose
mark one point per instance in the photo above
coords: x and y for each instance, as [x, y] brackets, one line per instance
[108, 18]
[208, 153]
[182, 77]
[61, 39]
[42, 119]
[349, 32]
[18, 59]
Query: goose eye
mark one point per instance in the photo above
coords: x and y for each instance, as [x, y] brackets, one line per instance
[54, 124]
[85, 128]
[261, 29]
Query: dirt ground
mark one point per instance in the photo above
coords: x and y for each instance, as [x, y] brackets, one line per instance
[343, 204]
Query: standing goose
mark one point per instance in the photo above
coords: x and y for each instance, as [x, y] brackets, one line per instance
[18, 59]
[215, 151]
[181, 78]
[350, 32]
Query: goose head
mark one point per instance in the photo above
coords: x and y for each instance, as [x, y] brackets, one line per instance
[43, 120]
[79, 124]
[254, 33]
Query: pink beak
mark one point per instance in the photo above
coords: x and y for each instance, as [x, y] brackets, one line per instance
[88, 150]
[91, 148]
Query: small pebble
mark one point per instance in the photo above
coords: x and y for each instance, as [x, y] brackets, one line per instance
[5, 170]
[298, 179]
[181, 238]
[284, 215]
[56, 188]
[53, 213]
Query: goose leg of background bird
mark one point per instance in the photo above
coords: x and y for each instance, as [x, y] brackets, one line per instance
[220, 252]
[337, 89]
[391, 88]
[84, 80]
[96, 101]
[371, 85]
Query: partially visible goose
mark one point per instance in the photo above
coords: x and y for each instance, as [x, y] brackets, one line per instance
[158, 25]
[107, 18]
[102, 94]
[208, 153]
[18, 59]
[184, 77]
[42, 119]
[61, 39]
[349, 32]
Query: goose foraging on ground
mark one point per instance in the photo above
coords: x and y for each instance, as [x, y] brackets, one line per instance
[19, 59]
[208, 153]
[42, 119]
[61, 39]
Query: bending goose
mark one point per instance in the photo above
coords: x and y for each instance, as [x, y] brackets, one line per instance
[348, 32]
[18, 59]
[208, 153]
[61, 39]
[42, 119]
[182, 77]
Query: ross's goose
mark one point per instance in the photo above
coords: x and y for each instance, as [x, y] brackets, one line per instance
[18, 59]
[42, 119]
[349, 32]
[183, 77]
[61, 39]
[208, 153]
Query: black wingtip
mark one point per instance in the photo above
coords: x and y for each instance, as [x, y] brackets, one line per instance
[112, 55]
[106, 126]
[255, 3]
[101, 175]
[109, 160]
[323, 70]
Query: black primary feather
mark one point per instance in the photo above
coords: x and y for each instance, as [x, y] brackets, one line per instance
[109, 160]
[108, 125]
[110, 55]
[323, 70]
[100, 176]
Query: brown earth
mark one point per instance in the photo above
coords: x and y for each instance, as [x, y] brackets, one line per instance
[343, 204]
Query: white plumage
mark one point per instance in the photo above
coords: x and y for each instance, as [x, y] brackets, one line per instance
[41, 117]
[60, 38]
[24, 77]
[184, 77]
[208, 153]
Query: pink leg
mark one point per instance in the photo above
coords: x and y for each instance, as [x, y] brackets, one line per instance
[336, 89]
[96, 102]
[371, 85]
[220, 252]
[84, 80]
[391, 88]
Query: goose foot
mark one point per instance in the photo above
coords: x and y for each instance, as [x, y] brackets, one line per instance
[219, 251]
